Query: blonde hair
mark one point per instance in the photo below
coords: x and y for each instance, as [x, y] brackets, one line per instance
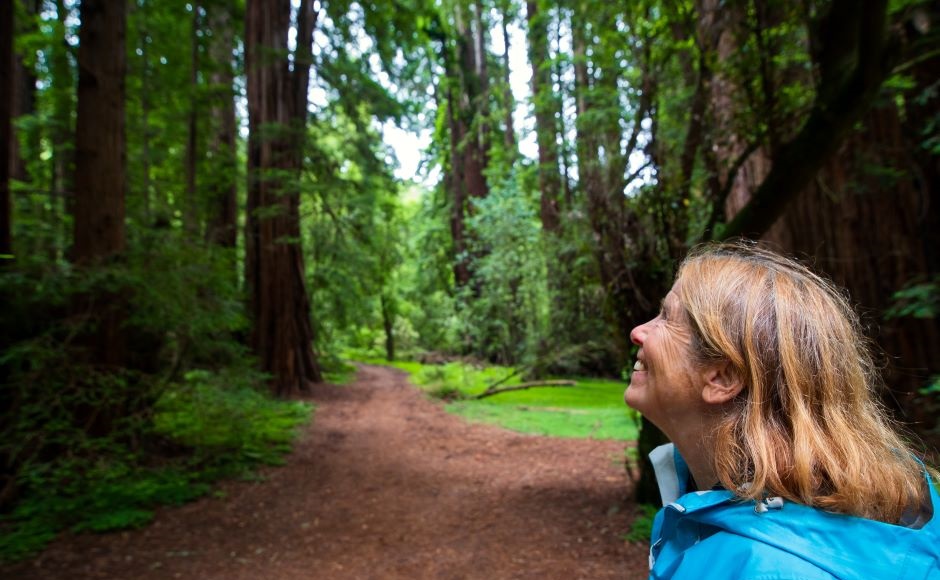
[806, 426]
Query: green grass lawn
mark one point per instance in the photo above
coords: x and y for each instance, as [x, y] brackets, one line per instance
[592, 408]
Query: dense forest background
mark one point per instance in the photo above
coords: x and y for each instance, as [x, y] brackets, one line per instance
[196, 197]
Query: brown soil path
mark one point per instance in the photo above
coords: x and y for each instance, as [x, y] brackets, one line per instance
[385, 484]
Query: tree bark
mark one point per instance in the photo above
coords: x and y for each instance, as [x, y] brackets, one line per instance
[191, 212]
[549, 174]
[512, 151]
[853, 62]
[869, 237]
[24, 103]
[100, 140]
[388, 324]
[222, 226]
[282, 333]
[467, 109]
[6, 129]
[63, 87]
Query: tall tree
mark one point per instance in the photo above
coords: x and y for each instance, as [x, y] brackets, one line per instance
[466, 89]
[281, 335]
[62, 71]
[99, 144]
[100, 173]
[856, 209]
[24, 97]
[6, 133]
[223, 190]
[191, 211]
[545, 108]
[853, 56]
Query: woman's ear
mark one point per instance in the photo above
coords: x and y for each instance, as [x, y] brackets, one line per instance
[722, 384]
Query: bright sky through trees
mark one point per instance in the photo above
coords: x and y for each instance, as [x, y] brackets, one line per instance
[409, 146]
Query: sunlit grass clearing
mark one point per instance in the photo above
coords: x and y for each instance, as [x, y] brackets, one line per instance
[593, 408]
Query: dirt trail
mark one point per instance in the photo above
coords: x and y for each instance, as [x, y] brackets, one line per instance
[385, 484]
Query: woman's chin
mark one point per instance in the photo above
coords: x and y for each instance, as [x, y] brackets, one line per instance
[631, 396]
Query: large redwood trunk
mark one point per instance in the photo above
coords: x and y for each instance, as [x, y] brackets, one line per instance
[467, 110]
[99, 144]
[99, 236]
[282, 334]
[867, 232]
[845, 198]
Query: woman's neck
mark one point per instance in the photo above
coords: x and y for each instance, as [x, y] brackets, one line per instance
[696, 449]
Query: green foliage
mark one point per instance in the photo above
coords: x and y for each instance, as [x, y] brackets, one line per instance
[89, 447]
[337, 371]
[219, 415]
[641, 529]
[932, 388]
[215, 425]
[917, 300]
[504, 309]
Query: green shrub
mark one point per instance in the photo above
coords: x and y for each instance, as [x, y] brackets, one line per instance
[642, 526]
[221, 424]
[224, 419]
[90, 447]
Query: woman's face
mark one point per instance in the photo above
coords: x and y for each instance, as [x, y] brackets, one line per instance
[664, 385]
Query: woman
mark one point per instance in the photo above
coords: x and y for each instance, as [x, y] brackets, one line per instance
[782, 466]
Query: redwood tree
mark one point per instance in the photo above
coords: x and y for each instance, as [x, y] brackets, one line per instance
[99, 141]
[282, 335]
[545, 107]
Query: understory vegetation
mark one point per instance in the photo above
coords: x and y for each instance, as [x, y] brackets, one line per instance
[86, 447]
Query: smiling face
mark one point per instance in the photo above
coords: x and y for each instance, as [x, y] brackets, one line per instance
[665, 386]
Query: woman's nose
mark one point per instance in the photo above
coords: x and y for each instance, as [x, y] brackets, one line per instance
[638, 335]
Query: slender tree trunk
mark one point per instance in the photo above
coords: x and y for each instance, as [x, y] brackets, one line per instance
[24, 103]
[627, 293]
[458, 188]
[388, 323]
[6, 129]
[222, 228]
[545, 127]
[474, 110]
[191, 213]
[62, 129]
[565, 151]
[282, 334]
[508, 101]
[145, 108]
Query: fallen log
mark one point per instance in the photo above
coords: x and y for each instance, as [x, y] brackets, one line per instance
[521, 386]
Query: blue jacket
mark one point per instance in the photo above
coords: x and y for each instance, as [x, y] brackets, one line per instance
[710, 535]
